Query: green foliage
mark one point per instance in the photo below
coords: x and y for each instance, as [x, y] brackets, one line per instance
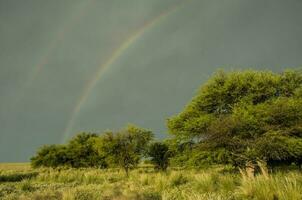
[160, 154]
[244, 116]
[79, 152]
[124, 148]
[82, 152]
[50, 156]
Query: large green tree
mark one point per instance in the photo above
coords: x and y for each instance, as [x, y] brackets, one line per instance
[245, 116]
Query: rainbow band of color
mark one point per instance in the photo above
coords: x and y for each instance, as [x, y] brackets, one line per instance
[102, 69]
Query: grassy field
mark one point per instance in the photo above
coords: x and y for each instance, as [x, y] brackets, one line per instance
[15, 166]
[19, 181]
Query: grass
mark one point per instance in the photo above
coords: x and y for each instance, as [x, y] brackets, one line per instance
[146, 184]
[15, 166]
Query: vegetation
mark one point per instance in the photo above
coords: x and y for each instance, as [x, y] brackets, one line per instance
[124, 149]
[241, 118]
[145, 183]
[79, 152]
[159, 153]
[239, 138]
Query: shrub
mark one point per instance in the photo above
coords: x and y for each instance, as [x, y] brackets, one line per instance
[160, 154]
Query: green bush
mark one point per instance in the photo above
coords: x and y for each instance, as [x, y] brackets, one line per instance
[160, 155]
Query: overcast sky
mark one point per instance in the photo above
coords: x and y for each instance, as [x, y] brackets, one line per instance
[155, 55]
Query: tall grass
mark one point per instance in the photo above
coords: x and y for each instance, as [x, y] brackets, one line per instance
[145, 183]
[279, 186]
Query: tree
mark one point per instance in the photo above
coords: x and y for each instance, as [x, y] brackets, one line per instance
[126, 147]
[50, 156]
[160, 154]
[244, 116]
[82, 152]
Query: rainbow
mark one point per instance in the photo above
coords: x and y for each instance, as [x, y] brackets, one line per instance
[60, 35]
[114, 56]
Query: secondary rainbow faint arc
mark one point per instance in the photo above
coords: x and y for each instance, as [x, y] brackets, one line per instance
[124, 46]
[54, 42]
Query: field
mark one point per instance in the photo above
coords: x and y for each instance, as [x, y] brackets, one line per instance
[14, 166]
[19, 181]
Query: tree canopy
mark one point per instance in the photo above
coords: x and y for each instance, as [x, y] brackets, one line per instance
[244, 116]
[124, 148]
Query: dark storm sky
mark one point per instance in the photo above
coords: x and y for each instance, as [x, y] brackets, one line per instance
[51, 51]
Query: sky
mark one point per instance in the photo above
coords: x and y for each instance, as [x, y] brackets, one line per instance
[68, 66]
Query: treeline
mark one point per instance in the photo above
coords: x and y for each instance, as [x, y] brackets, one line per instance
[124, 148]
[241, 118]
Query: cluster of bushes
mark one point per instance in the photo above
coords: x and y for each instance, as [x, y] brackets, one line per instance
[125, 149]
[238, 118]
[79, 152]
